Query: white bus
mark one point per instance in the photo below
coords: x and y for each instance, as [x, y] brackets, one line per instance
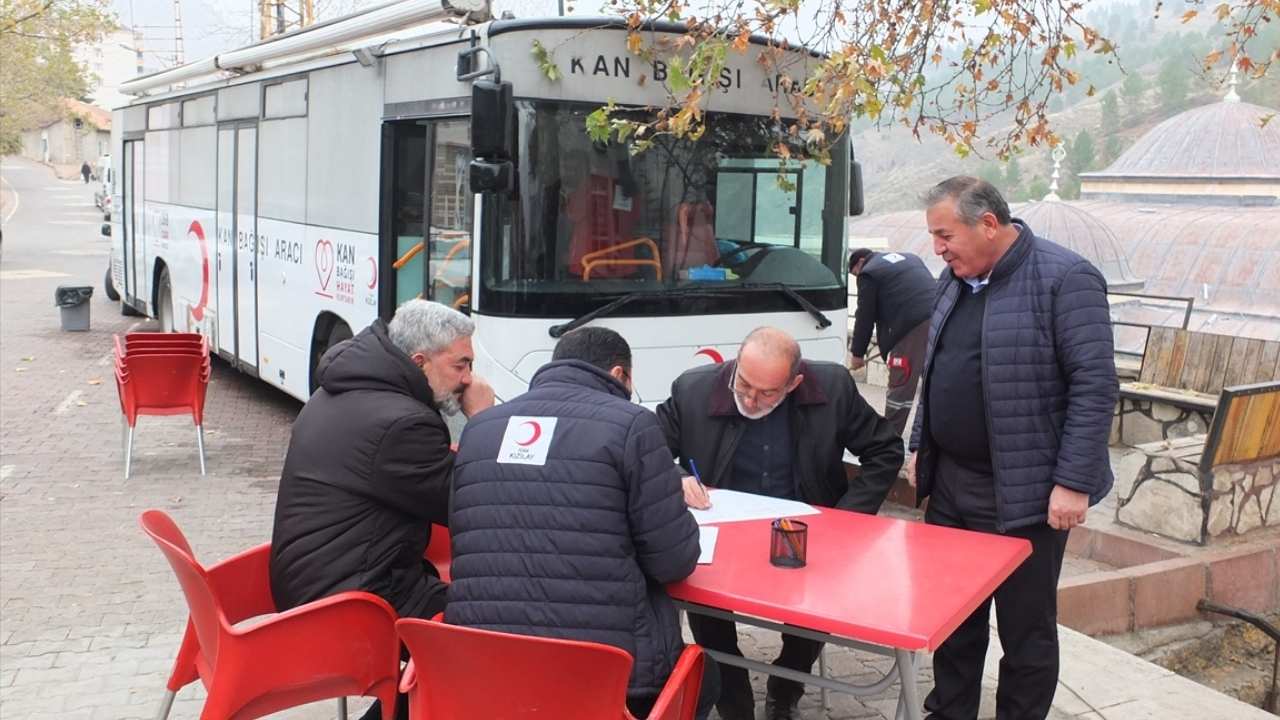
[295, 190]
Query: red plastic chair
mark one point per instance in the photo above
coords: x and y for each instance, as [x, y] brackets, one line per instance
[336, 647]
[440, 551]
[459, 672]
[161, 377]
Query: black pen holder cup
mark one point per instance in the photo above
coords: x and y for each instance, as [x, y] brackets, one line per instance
[788, 543]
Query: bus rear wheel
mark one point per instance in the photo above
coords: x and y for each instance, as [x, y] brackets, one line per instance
[164, 302]
[338, 332]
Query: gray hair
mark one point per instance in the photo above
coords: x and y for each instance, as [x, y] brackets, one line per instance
[974, 198]
[423, 326]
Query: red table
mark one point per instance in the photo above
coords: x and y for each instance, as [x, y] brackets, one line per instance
[889, 586]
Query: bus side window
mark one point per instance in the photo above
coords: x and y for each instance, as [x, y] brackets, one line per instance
[451, 216]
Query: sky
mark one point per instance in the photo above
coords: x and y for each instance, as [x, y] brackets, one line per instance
[213, 26]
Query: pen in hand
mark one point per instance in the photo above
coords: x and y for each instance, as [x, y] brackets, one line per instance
[697, 498]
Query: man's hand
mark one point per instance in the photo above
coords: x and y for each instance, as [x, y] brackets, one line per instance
[695, 495]
[911, 470]
[1067, 508]
[856, 363]
[477, 396]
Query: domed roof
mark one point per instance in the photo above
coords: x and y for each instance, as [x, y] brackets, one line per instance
[1080, 231]
[1225, 139]
[1057, 221]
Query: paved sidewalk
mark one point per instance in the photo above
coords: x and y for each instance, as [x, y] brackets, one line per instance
[90, 614]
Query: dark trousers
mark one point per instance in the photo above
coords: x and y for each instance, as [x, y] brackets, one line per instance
[707, 694]
[905, 377]
[1026, 610]
[736, 699]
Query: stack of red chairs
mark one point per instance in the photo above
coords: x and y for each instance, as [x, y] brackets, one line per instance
[161, 374]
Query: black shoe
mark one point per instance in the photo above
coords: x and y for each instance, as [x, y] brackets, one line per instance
[780, 709]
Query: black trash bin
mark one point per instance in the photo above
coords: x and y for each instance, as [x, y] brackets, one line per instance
[73, 301]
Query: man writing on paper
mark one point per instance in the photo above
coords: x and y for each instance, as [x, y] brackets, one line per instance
[568, 518]
[773, 424]
[1011, 434]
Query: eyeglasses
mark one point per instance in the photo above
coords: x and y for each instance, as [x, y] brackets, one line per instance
[741, 387]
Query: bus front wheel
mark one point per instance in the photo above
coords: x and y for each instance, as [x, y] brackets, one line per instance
[110, 287]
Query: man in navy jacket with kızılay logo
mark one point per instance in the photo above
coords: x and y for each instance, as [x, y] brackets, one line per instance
[568, 517]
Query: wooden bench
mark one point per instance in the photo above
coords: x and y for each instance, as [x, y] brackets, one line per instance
[1182, 375]
[1222, 482]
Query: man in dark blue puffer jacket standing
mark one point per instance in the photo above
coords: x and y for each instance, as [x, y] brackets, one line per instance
[1011, 431]
[568, 517]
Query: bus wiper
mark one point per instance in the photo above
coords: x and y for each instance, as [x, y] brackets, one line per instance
[556, 331]
[608, 308]
[785, 289]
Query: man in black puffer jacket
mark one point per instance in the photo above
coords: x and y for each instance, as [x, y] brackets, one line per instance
[1011, 432]
[568, 517]
[369, 464]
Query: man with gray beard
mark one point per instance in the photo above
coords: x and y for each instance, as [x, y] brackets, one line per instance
[369, 466]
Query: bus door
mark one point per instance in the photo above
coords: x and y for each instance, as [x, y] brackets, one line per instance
[237, 262]
[134, 255]
[428, 214]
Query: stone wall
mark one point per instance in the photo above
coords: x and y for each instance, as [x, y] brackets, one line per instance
[1244, 498]
[1160, 489]
[1140, 420]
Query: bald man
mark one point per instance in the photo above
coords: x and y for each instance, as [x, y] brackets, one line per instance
[774, 424]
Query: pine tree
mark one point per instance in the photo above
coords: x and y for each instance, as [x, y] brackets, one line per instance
[1112, 149]
[1110, 113]
[1133, 88]
[1013, 178]
[1175, 83]
[1082, 153]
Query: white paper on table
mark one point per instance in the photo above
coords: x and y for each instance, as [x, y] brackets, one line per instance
[707, 544]
[734, 506]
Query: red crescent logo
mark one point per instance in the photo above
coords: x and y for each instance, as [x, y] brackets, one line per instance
[711, 353]
[537, 433]
[197, 312]
[373, 273]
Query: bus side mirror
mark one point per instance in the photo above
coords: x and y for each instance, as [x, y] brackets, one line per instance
[491, 120]
[856, 206]
[492, 176]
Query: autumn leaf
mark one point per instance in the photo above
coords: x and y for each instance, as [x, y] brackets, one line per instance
[546, 62]
[633, 43]
[1189, 15]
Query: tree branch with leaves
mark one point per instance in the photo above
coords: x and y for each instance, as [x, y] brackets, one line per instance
[980, 74]
[37, 68]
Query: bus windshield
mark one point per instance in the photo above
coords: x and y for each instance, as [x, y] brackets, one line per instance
[590, 222]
